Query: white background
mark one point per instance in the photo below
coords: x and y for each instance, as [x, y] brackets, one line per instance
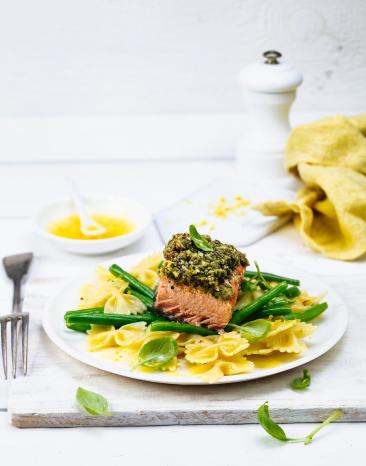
[158, 79]
[113, 57]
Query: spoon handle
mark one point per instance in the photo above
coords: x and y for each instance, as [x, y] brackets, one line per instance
[78, 203]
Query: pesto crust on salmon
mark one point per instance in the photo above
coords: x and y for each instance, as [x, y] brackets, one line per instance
[199, 287]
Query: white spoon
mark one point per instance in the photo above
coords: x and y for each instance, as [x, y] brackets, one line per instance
[88, 226]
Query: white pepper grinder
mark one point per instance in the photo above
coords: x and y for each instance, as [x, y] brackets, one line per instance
[269, 89]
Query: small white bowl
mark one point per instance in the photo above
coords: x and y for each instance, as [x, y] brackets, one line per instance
[109, 205]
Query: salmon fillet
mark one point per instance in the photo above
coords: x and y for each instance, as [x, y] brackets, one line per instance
[196, 307]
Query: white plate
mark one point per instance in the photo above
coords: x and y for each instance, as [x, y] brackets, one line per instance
[330, 327]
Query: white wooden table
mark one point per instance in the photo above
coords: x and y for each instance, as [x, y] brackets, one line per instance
[22, 187]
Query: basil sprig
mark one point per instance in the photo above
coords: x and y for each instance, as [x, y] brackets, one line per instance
[199, 241]
[300, 383]
[157, 353]
[92, 402]
[258, 280]
[276, 431]
[253, 331]
[261, 281]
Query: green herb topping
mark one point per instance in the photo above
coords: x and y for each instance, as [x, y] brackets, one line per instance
[210, 269]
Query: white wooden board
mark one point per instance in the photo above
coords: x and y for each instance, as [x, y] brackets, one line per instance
[46, 398]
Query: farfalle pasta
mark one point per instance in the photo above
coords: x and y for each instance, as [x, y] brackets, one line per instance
[147, 270]
[128, 339]
[109, 292]
[304, 300]
[212, 373]
[285, 336]
[209, 357]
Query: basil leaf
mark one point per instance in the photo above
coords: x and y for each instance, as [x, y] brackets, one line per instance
[255, 330]
[300, 383]
[158, 353]
[199, 241]
[276, 431]
[265, 420]
[92, 402]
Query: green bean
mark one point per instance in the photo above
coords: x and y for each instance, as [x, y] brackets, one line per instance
[273, 311]
[81, 327]
[271, 277]
[165, 326]
[309, 314]
[93, 310]
[135, 284]
[277, 302]
[292, 292]
[78, 327]
[149, 303]
[241, 314]
[118, 320]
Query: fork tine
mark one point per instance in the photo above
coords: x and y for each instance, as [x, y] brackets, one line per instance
[25, 329]
[4, 347]
[14, 345]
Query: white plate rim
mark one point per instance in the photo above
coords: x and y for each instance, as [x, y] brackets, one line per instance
[161, 377]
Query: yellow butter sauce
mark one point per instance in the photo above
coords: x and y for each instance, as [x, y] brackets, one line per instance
[69, 227]
[114, 354]
[260, 362]
[272, 360]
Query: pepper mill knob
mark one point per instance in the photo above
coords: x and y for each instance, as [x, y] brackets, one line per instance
[272, 57]
[268, 92]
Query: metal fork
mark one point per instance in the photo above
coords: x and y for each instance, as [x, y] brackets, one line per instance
[16, 268]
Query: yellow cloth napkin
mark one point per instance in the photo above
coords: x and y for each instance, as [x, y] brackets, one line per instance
[330, 211]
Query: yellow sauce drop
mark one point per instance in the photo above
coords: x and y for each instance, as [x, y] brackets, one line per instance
[69, 227]
[270, 361]
[223, 207]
